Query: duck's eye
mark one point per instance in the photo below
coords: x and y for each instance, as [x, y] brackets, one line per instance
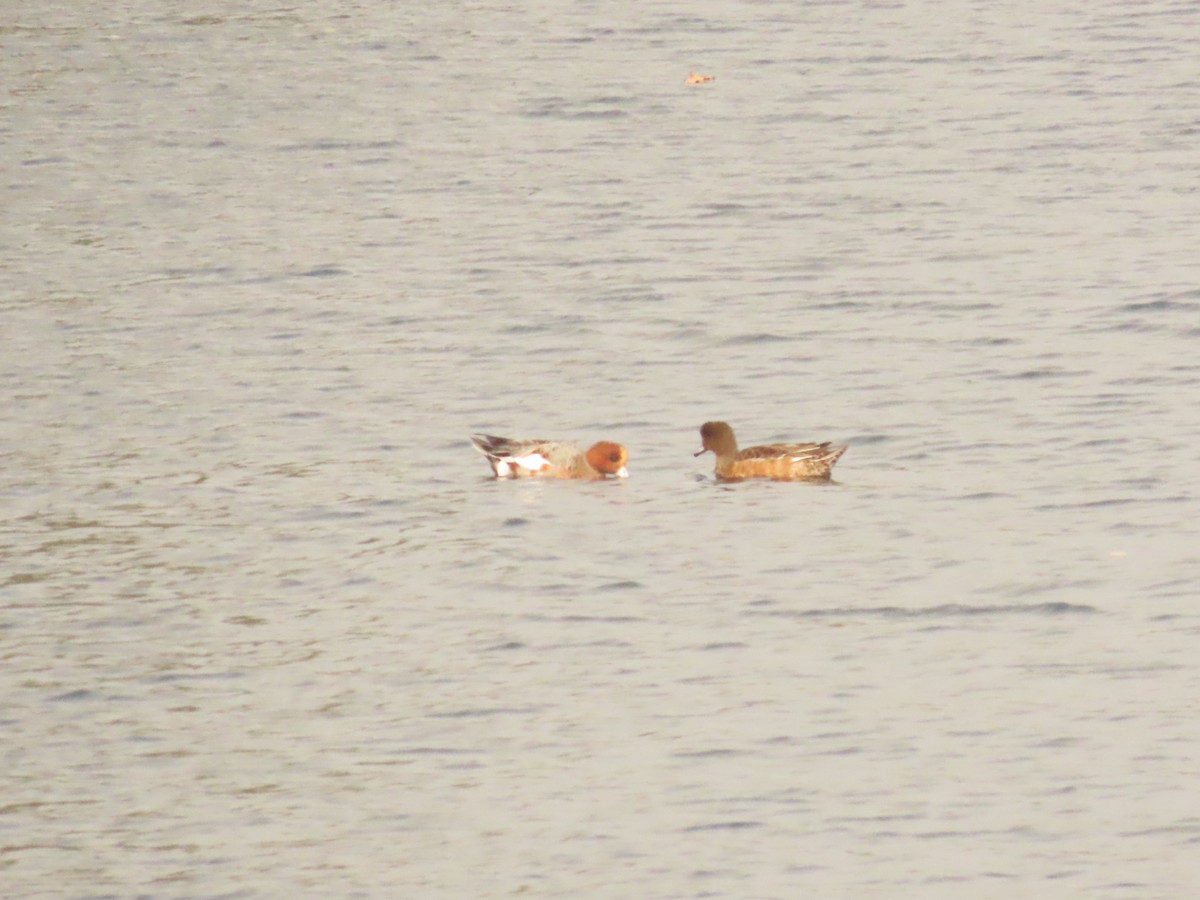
[615, 456]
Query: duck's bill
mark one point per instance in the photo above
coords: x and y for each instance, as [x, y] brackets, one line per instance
[701, 450]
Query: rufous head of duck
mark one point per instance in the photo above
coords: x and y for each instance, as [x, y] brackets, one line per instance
[717, 437]
[608, 458]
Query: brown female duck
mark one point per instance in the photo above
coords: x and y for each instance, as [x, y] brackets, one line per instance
[781, 462]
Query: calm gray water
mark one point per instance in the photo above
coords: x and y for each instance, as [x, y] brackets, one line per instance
[267, 628]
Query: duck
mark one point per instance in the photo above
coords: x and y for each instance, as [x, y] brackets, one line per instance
[779, 462]
[511, 458]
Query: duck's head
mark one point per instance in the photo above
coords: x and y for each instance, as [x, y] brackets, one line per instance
[608, 458]
[717, 437]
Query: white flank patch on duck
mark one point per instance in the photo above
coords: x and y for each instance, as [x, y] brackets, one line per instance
[534, 462]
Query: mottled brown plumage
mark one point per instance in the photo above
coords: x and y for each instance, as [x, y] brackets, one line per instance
[780, 462]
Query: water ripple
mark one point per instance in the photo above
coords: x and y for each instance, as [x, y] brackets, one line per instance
[943, 611]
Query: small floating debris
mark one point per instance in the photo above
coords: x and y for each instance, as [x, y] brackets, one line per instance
[697, 78]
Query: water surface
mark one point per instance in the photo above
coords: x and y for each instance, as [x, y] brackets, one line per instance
[268, 628]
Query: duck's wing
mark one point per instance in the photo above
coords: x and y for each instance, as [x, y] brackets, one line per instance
[797, 452]
[492, 445]
[516, 456]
